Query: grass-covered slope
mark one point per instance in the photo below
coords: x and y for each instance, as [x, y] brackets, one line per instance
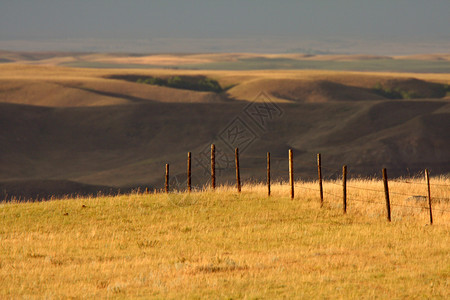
[224, 245]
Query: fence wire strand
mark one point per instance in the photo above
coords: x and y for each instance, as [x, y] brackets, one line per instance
[421, 183]
[329, 179]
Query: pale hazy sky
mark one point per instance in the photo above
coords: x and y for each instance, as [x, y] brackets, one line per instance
[138, 21]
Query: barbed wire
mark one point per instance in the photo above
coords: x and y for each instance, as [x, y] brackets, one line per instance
[328, 179]
[351, 199]
[440, 209]
[325, 181]
[396, 205]
[421, 183]
[331, 194]
[440, 199]
[336, 171]
[376, 202]
[305, 188]
[365, 189]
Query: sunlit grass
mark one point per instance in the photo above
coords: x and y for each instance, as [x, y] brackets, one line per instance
[221, 244]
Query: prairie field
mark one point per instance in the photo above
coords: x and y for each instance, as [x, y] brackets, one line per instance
[222, 244]
[107, 124]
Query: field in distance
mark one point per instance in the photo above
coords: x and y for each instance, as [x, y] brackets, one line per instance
[221, 244]
[73, 130]
[426, 63]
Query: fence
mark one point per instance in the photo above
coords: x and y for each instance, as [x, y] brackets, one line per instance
[320, 189]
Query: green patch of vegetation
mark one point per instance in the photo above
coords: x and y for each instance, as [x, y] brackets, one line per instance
[411, 89]
[393, 93]
[194, 83]
[447, 90]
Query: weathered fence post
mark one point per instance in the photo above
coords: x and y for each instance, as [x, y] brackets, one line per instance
[268, 174]
[189, 172]
[319, 170]
[386, 195]
[238, 173]
[427, 177]
[213, 166]
[291, 173]
[166, 185]
[344, 188]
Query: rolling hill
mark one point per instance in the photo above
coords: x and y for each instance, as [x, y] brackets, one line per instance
[68, 131]
[425, 63]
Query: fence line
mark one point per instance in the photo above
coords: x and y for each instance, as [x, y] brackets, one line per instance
[375, 202]
[330, 180]
[320, 189]
[441, 199]
[303, 163]
[336, 184]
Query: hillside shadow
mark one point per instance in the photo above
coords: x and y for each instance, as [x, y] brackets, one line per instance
[132, 99]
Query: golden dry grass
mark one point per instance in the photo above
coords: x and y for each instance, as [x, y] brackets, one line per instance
[59, 86]
[226, 245]
[56, 72]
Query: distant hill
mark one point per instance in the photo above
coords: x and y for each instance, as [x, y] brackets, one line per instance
[38, 189]
[427, 63]
[69, 131]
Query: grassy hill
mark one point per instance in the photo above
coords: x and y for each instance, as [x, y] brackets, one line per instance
[96, 128]
[227, 245]
[78, 134]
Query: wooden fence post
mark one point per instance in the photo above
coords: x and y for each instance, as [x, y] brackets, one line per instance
[238, 173]
[344, 188]
[268, 174]
[427, 177]
[291, 173]
[319, 170]
[189, 176]
[166, 185]
[386, 195]
[213, 166]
